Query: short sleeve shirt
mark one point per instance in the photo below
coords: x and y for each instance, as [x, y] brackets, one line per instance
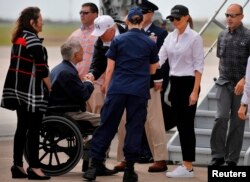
[133, 52]
[233, 49]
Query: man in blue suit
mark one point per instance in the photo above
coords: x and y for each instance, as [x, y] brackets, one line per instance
[154, 126]
[69, 90]
[160, 34]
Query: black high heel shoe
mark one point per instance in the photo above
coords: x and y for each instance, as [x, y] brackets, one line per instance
[34, 176]
[17, 173]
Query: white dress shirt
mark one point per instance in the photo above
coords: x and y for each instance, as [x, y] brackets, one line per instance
[147, 27]
[184, 52]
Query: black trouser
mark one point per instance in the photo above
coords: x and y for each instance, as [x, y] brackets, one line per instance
[28, 126]
[183, 114]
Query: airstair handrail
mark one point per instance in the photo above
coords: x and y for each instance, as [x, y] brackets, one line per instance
[212, 18]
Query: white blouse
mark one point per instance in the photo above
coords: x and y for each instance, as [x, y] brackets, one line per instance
[184, 52]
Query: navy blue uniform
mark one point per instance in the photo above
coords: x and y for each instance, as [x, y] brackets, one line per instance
[133, 52]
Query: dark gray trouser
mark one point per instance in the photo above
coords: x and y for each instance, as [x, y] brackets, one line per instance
[228, 131]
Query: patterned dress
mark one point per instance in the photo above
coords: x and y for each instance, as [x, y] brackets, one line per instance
[24, 84]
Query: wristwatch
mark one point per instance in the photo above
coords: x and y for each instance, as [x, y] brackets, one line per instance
[244, 105]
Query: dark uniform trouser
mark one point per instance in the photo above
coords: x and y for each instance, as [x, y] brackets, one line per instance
[111, 114]
[183, 114]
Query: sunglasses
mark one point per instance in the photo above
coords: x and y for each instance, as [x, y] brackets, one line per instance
[232, 15]
[84, 12]
[174, 18]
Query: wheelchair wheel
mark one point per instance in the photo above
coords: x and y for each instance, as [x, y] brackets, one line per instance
[60, 146]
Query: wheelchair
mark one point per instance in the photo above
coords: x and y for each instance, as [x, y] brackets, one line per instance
[61, 141]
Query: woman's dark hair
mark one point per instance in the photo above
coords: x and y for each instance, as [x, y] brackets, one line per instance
[136, 20]
[23, 22]
[190, 21]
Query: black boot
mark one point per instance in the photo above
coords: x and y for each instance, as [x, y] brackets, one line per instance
[129, 173]
[90, 174]
[85, 165]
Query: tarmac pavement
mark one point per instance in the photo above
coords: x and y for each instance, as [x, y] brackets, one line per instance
[8, 125]
[75, 175]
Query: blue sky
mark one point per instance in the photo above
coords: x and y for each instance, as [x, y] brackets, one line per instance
[68, 9]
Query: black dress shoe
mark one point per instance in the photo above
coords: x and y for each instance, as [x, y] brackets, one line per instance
[17, 173]
[34, 176]
[217, 162]
[102, 170]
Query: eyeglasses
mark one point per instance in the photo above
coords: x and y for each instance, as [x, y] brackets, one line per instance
[232, 15]
[174, 18]
[84, 12]
[145, 11]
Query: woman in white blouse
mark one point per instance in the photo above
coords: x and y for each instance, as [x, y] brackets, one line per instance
[184, 50]
[245, 100]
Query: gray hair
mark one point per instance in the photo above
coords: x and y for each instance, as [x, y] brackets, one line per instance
[69, 48]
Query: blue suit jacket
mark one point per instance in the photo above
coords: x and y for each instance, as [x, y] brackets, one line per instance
[67, 88]
[159, 32]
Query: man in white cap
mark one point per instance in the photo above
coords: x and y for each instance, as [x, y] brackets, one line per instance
[106, 29]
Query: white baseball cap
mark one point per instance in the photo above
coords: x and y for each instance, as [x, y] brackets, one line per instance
[102, 23]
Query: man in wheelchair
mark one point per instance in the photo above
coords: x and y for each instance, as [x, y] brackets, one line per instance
[69, 94]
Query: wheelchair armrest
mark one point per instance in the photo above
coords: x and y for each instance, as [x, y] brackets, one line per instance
[63, 108]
